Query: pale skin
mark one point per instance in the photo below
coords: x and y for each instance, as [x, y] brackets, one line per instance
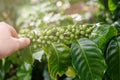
[9, 40]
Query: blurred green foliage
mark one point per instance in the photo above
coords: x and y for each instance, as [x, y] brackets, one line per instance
[8, 10]
[110, 11]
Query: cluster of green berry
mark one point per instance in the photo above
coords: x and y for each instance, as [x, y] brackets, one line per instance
[65, 35]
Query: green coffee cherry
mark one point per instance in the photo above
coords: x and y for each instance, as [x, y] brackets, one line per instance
[86, 35]
[55, 38]
[51, 37]
[39, 40]
[46, 37]
[77, 32]
[84, 27]
[34, 40]
[48, 32]
[57, 33]
[65, 35]
[41, 37]
[61, 37]
[43, 42]
[72, 36]
[73, 30]
[61, 30]
[76, 37]
[48, 42]
[82, 32]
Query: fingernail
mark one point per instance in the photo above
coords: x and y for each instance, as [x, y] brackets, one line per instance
[28, 41]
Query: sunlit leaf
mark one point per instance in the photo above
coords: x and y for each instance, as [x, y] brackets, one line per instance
[112, 4]
[38, 55]
[102, 34]
[59, 60]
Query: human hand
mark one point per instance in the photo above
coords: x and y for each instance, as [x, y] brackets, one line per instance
[9, 40]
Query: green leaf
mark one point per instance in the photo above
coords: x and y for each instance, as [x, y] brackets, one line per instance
[59, 60]
[102, 34]
[24, 72]
[4, 68]
[23, 55]
[103, 4]
[16, 58]
[38, 55]
[106, 76]
[113, 59]
[2, 71]
[112, 4]
[26, 55]
[88, 60]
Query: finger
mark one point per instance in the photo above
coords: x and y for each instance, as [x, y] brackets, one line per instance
[13, 32]
[11, 29]
[23, 42]
[15, 45]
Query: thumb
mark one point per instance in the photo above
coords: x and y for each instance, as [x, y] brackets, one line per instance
[22, 42]
[16, 44]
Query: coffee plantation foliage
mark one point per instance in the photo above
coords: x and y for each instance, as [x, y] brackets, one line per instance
[65, 46]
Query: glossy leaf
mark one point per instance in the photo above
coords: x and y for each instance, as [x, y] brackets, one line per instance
[59, 60]
[88, 60]
[113, 59]
[102, 34]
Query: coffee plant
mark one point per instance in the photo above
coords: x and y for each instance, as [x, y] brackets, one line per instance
[70, 49]
[65, 47]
